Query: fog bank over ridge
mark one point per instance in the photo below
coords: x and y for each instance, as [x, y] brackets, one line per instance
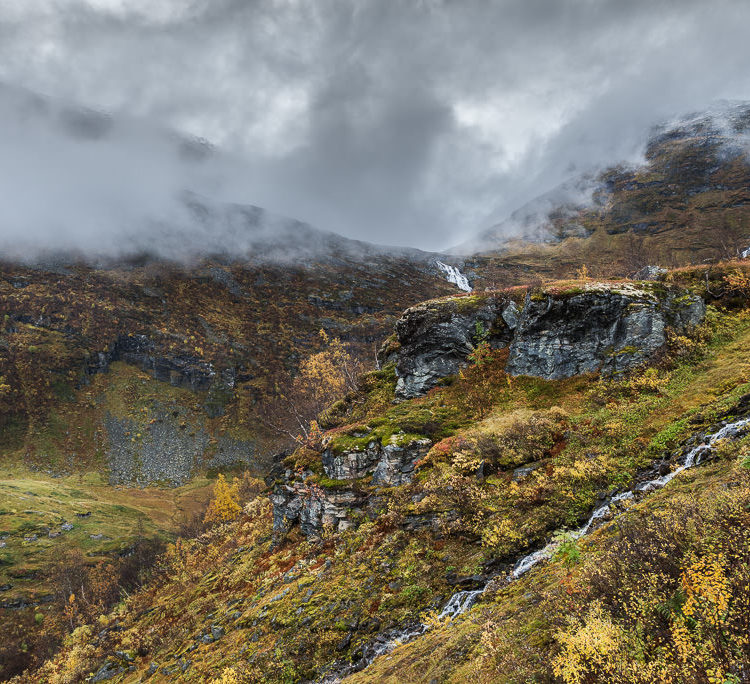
[85, 184]
[416, 124]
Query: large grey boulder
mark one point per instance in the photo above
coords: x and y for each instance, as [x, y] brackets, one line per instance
[434, 339]
[389, 465]
[601, 328]
[313, 508]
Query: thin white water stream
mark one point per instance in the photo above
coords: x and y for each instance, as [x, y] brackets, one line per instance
[693, 458]
[462, 601]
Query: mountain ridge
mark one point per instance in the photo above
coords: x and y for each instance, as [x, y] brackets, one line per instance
[690, 163]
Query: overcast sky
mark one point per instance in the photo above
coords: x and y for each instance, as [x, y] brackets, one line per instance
[411, 122]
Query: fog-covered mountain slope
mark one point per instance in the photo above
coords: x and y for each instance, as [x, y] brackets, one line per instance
[85, 185]
[692, 168]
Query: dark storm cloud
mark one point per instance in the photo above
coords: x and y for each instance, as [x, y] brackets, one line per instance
[407, 122]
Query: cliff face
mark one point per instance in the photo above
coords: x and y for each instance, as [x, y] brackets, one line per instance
[607, 329]
[559, 332]
[356, 473]
[434, 339]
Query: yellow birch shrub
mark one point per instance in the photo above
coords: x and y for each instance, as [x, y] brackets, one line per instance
[708, 591]
[590, 649]
[500, 535]
[224, 505]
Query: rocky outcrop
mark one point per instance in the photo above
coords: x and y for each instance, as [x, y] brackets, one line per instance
[650, 273]
[557, 334]
[608, 329]
[314, 508]
[299, 499]
[434, 340]
[389, 465]
[178, 370]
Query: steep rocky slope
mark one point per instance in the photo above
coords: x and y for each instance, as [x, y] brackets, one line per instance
[561, 332]
[388, 521]
[209, 344]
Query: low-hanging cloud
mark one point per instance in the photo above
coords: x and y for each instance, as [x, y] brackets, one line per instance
[412, 123]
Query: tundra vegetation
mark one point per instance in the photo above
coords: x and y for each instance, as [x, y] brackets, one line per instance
[660, 593]
[125, 390]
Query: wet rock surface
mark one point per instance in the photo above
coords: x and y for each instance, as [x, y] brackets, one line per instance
[435, 339]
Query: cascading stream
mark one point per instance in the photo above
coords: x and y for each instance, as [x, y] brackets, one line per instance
[462, 601]
[453, 275]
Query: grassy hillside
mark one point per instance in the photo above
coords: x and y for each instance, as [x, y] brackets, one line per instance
[37, 511]
[119, 384]
[512, 461]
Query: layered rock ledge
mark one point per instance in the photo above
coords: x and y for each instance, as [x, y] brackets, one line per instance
[555, 333]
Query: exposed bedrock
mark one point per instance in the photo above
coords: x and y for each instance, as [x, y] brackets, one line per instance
[312, 507]
[434, 339]
[599, 330]
[557, 334]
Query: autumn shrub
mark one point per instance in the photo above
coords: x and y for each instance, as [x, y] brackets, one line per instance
[670, 596]
[323, 378]
[192, 524]
[509, 440]
[501, 535]
[480, 383]
[225, 505]
[246, 487]
[460, 497]
[594, 649]
[738, 282]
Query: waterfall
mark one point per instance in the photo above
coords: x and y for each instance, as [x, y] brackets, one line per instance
[459, 603]
[463, 600]
[453, 275]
